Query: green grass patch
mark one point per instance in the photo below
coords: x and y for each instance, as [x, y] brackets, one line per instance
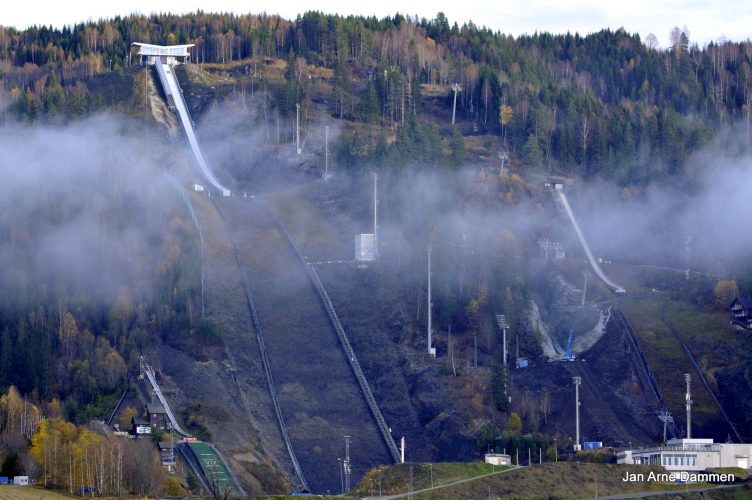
[558, 480]
[31, 493]
[668, 360]
[739, 473]
[396, 478]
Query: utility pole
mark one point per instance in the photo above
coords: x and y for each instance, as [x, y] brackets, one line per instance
[457, 87]
[379, 481]
[688, 397]
[584, 287]
[431, 350]
[341, 478]
[451, 349]
[688, 248]
[297, 127]
[326, 152]
[475, 358]
[172, 448]
[503, 325]
[346, 463]
[577, 381]
[376, 224]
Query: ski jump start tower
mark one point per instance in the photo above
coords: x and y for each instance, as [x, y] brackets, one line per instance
[167, 54]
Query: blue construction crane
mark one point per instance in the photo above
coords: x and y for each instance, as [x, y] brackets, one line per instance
[568, 354]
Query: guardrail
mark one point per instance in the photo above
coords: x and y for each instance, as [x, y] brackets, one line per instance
[120, 402]
[344, 341]
[355, 365]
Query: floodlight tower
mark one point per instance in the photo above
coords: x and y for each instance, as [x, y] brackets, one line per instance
[503, 156]
[665, 417]
[431, 349]
[688, 247]
[545, 245]
[577, 381]
[688, 397]
[457, 87]
[503, 325]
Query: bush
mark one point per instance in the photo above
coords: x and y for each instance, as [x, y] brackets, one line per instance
[192, 481]
[172, 487]
[209, 332]
[500, 389]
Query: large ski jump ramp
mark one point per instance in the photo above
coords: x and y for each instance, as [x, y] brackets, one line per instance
[593, 263]
[175, 99]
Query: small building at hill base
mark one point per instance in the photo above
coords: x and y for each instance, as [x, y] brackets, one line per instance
[20, 480]
[140, 426]
[167, 453]
[157, 415]
[498, 459]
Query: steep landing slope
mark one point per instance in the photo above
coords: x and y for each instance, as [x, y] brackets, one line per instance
[230, 385]
[318, 393]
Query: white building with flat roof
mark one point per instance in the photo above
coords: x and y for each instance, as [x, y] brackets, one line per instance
[498, 459]
[690, 455]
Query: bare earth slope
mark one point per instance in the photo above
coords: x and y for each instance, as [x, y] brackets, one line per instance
[319, 395]
[232, 390]
[615, 408]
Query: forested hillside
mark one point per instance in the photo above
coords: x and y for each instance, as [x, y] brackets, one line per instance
[102, 263]
[607, 103]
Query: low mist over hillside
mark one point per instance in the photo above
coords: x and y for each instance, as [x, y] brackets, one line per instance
[138, 298]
